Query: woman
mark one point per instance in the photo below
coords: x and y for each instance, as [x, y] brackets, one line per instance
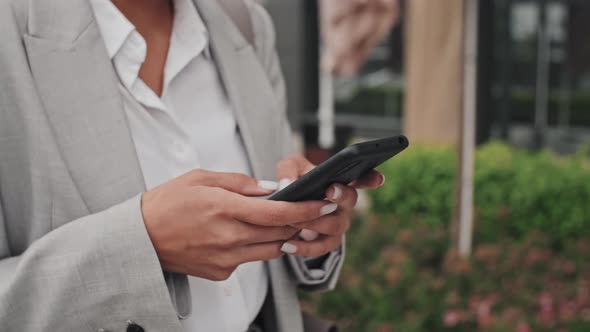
[135, 141]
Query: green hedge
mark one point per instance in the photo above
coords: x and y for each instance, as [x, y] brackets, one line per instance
[402, 277]
[515, 190]
[529, 270]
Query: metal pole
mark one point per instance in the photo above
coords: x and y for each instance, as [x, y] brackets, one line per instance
[326, 111]
[326, 127]
[505, 69]
[565, 80]
[467, 144]
[542, 84]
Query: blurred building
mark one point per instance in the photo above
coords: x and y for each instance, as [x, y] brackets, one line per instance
[534, 70]
[533, 65]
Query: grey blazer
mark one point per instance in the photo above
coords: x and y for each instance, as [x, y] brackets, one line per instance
[74, 252]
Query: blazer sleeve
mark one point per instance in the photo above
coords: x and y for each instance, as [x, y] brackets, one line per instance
[313, 274]
[97, 272]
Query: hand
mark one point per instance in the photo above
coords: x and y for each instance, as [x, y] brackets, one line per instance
[323, 234]
[351, 29]
[204, 224]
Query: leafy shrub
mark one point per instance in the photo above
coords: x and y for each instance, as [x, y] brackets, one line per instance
[402, 276]
[529, 270]
[515, 190]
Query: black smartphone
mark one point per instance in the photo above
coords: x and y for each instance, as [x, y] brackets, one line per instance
[344, 167]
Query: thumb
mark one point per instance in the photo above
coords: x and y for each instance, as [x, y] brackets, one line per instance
[234, 182]
[293, 167]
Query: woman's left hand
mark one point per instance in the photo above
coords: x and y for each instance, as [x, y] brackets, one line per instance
[324, 234]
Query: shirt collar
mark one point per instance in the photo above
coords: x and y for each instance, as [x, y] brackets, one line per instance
[127, 50]
[189, 27]
[189, 39]
[114, 27]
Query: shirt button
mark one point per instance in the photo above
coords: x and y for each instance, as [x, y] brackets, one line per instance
[181, 150]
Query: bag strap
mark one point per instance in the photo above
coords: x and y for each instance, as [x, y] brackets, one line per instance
[238, 11]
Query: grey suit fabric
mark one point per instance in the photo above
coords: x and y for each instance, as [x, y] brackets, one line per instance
[74, 252]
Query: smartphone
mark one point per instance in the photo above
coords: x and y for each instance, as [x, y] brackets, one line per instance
[344, 167]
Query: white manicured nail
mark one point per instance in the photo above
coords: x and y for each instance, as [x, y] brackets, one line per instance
[288, 248]
[268, 185]
[337, 193]
[382, 180]
[328, 208]
[308, 235]
[284, 183]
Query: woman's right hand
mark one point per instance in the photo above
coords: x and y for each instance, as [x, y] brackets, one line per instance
[205, 223]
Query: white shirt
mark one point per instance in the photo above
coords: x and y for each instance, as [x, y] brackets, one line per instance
[190, 126]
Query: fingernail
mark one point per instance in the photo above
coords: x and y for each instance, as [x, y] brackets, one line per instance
[268, 185]
[288, 248]
[337, 193]
[382, 179]
[284, 183]
[328, 208]
[308, 235]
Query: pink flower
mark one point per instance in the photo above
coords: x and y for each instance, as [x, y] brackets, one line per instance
[522, 327]
[546, 314]
[452, 318]
[546, 302]
[484, 314]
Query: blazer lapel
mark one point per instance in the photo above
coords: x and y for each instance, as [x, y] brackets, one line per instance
[78, 89]
[255, 108]
[248, 90]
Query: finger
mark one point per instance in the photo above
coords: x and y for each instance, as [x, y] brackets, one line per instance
[253, 234]
[319, 247]
[293, 167]
[287, 172]
[372, 180]
[275, 213]
[234, 182]
[259, 252]
[308, 234]
[345, 196]
[334, 224]
[290, 169]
